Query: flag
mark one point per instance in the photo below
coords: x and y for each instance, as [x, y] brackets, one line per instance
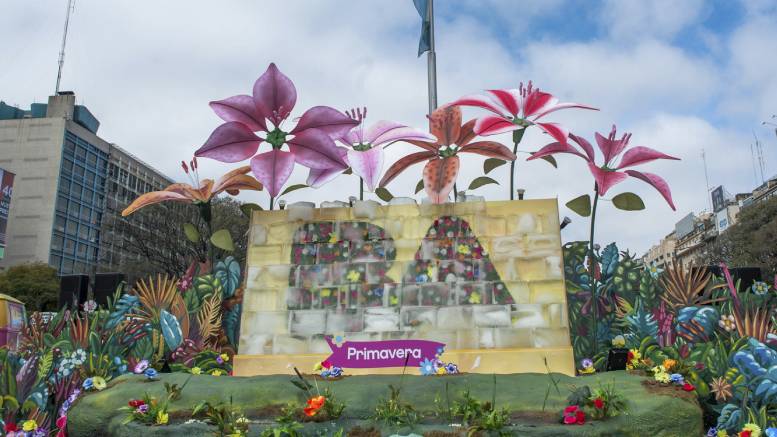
[424, 43]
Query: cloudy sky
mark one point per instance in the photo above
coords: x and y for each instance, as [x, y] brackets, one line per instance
[682, 76]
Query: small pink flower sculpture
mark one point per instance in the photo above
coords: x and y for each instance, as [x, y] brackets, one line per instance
[309, 143]
[518, 109]
[366, 152]
[607, 175]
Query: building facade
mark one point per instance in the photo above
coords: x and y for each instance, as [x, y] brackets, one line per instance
[70, 185]
[663, 253]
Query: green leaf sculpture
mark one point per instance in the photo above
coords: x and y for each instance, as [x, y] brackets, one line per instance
[223, 240]
[628, 202]
[581, 205]
[480, 181]
[191, 232]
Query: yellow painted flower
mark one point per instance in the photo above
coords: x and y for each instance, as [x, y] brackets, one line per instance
[333, 238]
[755, 430]
[634, 354]
[161, 418]
[474, 298]
[441, 371]
[196, 370]
[217, 372]
[722, 433]
[463, 249]
[618, 341]
[318, 367]
[326, 292]
[587, 370]
[29, 425]
[224, 357]
[662, 377]
[353, 276]
[669, 364]
[99, 383]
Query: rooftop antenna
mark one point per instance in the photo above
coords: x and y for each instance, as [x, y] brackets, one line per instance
[755, 172]
[70, 8]
[759, 151]
[706, 178]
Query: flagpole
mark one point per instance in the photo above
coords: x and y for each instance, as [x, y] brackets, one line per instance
[432, 62]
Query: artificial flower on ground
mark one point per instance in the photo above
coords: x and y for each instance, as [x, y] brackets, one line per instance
[632, 359]
[587, 366]
[688, 387]
[150, 373]
[217, 372]
[750, 430]
[94, 383]
[314, 404]
[148, 411]
[573, 415]
[140, 367]
[195, 370]
[727, 322]
[309, 142]
[669, 364]
[441, 156]
[722, 388]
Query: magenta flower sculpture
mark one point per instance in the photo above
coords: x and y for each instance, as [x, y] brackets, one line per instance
[309, 143]
[608, 174]
[515, 110]
[365, 153]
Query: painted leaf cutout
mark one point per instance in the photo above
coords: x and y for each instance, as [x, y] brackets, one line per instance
[223, 240]
[294, 187]
[581, 205]
[628, 202]
[551, 160]
[480, 181]
[248, 208]
[384, 194]
[419, 186]
[191, 232]
[492, 163]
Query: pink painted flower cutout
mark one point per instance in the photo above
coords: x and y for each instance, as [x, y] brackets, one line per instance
[518, 109]
[309, 143]
[607, 174]
[365, 153]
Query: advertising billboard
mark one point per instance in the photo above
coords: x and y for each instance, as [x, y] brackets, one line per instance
[6, 189]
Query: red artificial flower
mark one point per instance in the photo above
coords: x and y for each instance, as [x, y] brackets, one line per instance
[745, 433]
[314, 404]
[570, 409]
[580, 417]
[688, 387]
[326, 364]
[11, 427]
[598, 403]
[630, 355]
[135, 403]
[569, 420]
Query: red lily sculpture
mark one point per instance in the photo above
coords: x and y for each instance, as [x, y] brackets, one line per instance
[442, 167]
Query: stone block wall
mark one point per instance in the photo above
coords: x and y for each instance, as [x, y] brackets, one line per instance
[473, 275]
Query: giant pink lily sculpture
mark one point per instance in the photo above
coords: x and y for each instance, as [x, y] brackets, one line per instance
[309, 143]
[607, 175]
[366, 146]
[517, 109]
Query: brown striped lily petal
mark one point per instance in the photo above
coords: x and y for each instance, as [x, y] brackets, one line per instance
[439, 177]
[152, 198]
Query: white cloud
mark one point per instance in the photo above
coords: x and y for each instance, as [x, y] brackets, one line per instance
[633, 20]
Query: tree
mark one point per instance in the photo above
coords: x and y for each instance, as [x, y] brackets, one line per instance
[35, 284]
[155, 240]
[752, 241]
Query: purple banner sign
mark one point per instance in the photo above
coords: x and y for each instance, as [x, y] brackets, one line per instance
[386, 353]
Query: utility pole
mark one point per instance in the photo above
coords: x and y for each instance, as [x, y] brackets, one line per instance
[431, 58]
[706, 178]
[70, 7]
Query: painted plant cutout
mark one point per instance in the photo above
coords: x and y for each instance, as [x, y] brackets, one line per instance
[365, 154]
[515, 110]
[442, 167]
[199, 191]
[309, 143]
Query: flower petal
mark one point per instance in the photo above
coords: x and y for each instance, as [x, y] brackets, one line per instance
[492, 125]
[555, 130]
[367, 165]
[509, 99]
[492, 149]
[467, 133]
[237, 183]
[536, 101]
[610, 148]
[354, 136]
[640, 155]
[431, 147]
[402, 164]
[606, 179]
[587, 147]
[657, 182]
[231, 142]
[241, 109]
[445, 124]
[439, 177]
[152, 198]
[314, 148]
[329, 120]
[384, 132]
[554, 106]
[274, 95]
[273, 169]
[318, 176]
[480, 102]
[556, 147]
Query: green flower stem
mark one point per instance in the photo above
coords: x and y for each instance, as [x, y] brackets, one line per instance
[206, 214]
[272, 202]
[592, 274]
[455, 192]
[517, 137]
[361, 189]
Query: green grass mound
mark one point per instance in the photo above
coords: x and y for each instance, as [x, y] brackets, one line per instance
[654, 411]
